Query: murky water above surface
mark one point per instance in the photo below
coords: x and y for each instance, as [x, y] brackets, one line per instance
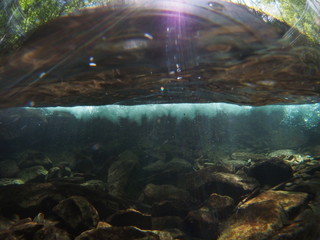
[161, 52]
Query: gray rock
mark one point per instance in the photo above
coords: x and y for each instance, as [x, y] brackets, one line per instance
[156, 166]
[59, 172]
[95, 185]
[178, 165]
[33, 174]
[10, 181]
[120, 172]
[282, 153]
[77, 213]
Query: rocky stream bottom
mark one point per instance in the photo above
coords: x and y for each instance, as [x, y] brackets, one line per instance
[247, 196]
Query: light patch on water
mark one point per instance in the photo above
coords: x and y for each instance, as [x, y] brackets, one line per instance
[307, 115]
[152, 111]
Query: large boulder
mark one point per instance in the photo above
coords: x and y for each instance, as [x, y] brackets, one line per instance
[205, 182]
[263, 216]
[77, 214]
[271, 171]
[34, 158]
[33, 174]
[204, 221]
[120, 172]
[28, 199]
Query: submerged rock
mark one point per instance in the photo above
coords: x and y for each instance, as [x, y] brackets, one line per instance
[8, 169]
[289, 201]
[167, 222]
[10, 181]
[21, 229]
[257, 221]
[77, 213]
[27, 229]
[169, 208]
[263, 216]
[201, 223]
[220, 206]
[205, 182]
[131, 217]
[29, 199]
[204, 221]
[121, 233]
[158, 193]
[271, 171]
[120, 172]
[282, 153]
[33, 174]
[34, 158]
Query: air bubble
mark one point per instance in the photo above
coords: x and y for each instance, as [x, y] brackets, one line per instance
[149, 36]
[216, 6]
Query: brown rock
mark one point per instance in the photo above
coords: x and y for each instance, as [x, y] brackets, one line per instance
[220, 206]
[263, 216]
[131, 217]
[120, 172]
[50, 232]
[202, 223]
[157, 193]
[257, 221]
[102, 224]
[118, 233]
[34, 197]
[168, 222]
[77, 214]
[290, 201]
[23, 229]
[205, 182]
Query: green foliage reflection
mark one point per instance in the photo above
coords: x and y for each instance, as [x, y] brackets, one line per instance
[18, 18]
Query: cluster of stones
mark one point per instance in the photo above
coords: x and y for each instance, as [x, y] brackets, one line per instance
[248, 196]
